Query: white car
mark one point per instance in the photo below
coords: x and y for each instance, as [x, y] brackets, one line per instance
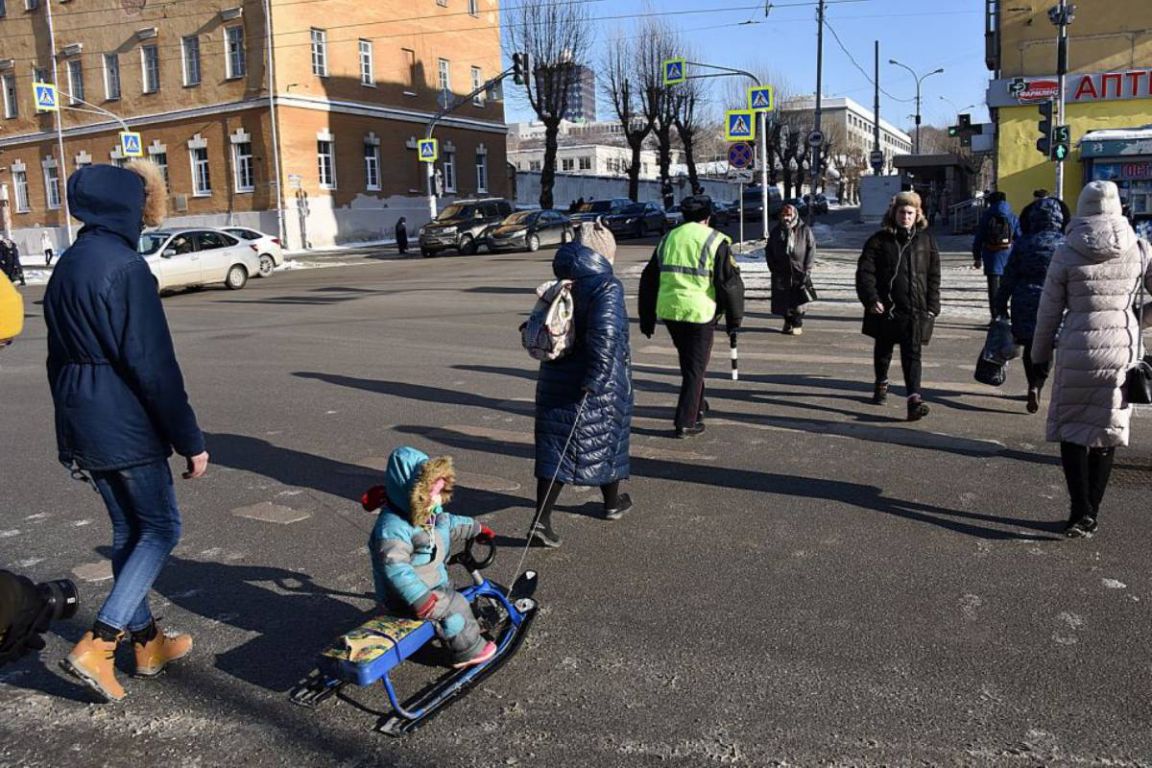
[271, 253]
[181, 258]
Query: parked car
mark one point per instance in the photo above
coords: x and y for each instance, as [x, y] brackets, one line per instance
[820, 206]
[268, 248]
[722, 214]
[800, 206]
[637, 220]
[182, 258]
[673, 217]
[528, 230]
[754, 205]
[594, 209]
[460, 225]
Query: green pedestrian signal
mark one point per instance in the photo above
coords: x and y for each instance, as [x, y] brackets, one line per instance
[1061, 142]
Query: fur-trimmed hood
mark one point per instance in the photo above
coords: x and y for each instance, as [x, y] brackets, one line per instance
[408, 481]
[118, 200]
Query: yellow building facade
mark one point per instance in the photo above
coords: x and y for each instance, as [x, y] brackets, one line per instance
[1108, 87]
[310, 107]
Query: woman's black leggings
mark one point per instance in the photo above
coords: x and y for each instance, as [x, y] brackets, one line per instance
[546, 500]
[1086, 471]
[1036, 374]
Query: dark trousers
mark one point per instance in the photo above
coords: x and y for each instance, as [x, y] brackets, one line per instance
[547, 492]
[1035, 374]
[693, 343]
[909, 361]
[993, 288]
[1086, 471]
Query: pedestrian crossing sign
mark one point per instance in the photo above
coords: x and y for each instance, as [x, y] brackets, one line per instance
[673, 71]
[740, 125]
[47, 99]
[130, 144]
[760, 99]
[429, 150]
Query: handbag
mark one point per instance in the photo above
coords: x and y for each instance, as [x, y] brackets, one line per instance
[1138, 381]
[991, 372]
[805, 293]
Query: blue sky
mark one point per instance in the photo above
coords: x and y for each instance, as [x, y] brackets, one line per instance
[924, 35]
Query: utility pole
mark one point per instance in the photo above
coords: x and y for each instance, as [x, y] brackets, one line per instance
[877, 156]
[816, 150]
[1061, 15]
[62, 163]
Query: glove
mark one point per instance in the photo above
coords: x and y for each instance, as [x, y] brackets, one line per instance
[373, 498]
[485, 536]
[424, 610]
[732, 329]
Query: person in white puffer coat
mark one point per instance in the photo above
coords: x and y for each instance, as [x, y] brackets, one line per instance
[1091, 286]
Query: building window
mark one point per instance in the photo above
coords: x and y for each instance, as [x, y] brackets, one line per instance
[75, 81]
[367, 76]
[11, 106]
[40, 75]
[161, 159]
[326, 160]
[481, 172]
[3, 9]
[31, 5]
[235, 65]
[410, 64]
[449, 171]
[201, 179]
[445, 75]
[52, 185]
[371, 166]
[242, 163]
[567, 164]
[191, 47]
[111, 76]
[319, 52]
[585, 163]
[474, 7]
[535, 165]
[20, 181]
[477, 81]
[150, 68]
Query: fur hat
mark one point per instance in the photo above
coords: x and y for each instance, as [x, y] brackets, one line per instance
[907, 198]
[155, 191]
[1099, 198]
[597, 236]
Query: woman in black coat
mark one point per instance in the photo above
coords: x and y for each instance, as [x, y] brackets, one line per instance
[597, 372]
[898, 282]
[402, 235]
[790, 253]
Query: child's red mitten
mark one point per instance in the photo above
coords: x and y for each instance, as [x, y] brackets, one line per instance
[486, 534]
[373, 498]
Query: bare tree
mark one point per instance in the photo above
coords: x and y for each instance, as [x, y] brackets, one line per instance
[556, 35]
[630, 73]
[665, 45]
[689, 101]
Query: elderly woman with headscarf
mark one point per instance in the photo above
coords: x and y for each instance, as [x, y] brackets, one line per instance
[790, 253]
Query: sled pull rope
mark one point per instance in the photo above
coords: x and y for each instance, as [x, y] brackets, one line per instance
[551, 484]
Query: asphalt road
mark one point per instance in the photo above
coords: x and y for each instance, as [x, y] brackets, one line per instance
[813, 581]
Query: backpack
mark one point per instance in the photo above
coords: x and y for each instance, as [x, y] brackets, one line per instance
[550, 330]
[998, 233]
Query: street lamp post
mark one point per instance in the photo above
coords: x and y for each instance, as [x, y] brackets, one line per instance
[919, 79]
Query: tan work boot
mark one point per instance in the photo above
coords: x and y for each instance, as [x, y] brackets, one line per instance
[94, 661]
[154, 655]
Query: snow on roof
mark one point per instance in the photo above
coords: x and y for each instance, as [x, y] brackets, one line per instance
[1119, 134]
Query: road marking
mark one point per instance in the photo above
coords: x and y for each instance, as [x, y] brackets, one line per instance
[267, 512]
[92, 572]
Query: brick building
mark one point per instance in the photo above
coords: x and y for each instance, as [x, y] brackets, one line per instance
[354, 86]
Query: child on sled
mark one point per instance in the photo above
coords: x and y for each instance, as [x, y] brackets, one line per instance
[410, 545]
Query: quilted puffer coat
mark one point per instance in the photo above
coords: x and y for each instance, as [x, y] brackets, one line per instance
[1023, 281]
[599, 362]
[1091, 284]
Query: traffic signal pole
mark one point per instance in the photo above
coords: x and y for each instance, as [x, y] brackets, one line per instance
[1061, 71]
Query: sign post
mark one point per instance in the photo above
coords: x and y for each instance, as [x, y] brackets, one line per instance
[740, 125]
[47, 98]
[130, 144]
[674, 71]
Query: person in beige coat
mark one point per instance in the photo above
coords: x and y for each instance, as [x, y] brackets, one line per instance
[1091, 286]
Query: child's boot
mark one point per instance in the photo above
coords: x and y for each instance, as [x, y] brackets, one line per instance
[154, 649]
[93, 661]
[486, 653]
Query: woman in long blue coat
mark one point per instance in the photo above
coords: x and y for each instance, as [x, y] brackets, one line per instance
[596, 375]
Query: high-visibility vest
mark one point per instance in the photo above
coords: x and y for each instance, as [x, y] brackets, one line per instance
[11, 311]
[687, 258]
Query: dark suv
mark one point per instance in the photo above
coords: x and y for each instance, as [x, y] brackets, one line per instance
[460, 225]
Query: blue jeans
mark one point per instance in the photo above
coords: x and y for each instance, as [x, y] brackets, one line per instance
[145, 528]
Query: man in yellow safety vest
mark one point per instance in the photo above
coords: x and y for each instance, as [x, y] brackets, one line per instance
[691, 280]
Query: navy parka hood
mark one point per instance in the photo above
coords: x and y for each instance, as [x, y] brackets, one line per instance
[108, 198]
[575, 261]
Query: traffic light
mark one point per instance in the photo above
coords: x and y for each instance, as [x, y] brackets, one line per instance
[1044, 143]
[953, 131]
[965, 120]
[521, 68]
[1061, 142]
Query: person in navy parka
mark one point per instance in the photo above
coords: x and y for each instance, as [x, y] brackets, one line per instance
[994, 259]
[1023, 282]
[121, 407]
[598, 365]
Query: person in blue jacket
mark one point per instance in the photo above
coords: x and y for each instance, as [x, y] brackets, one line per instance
[992, 245]
[121, 407]
[590, 388]
[1043, 224]
[410, 545]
